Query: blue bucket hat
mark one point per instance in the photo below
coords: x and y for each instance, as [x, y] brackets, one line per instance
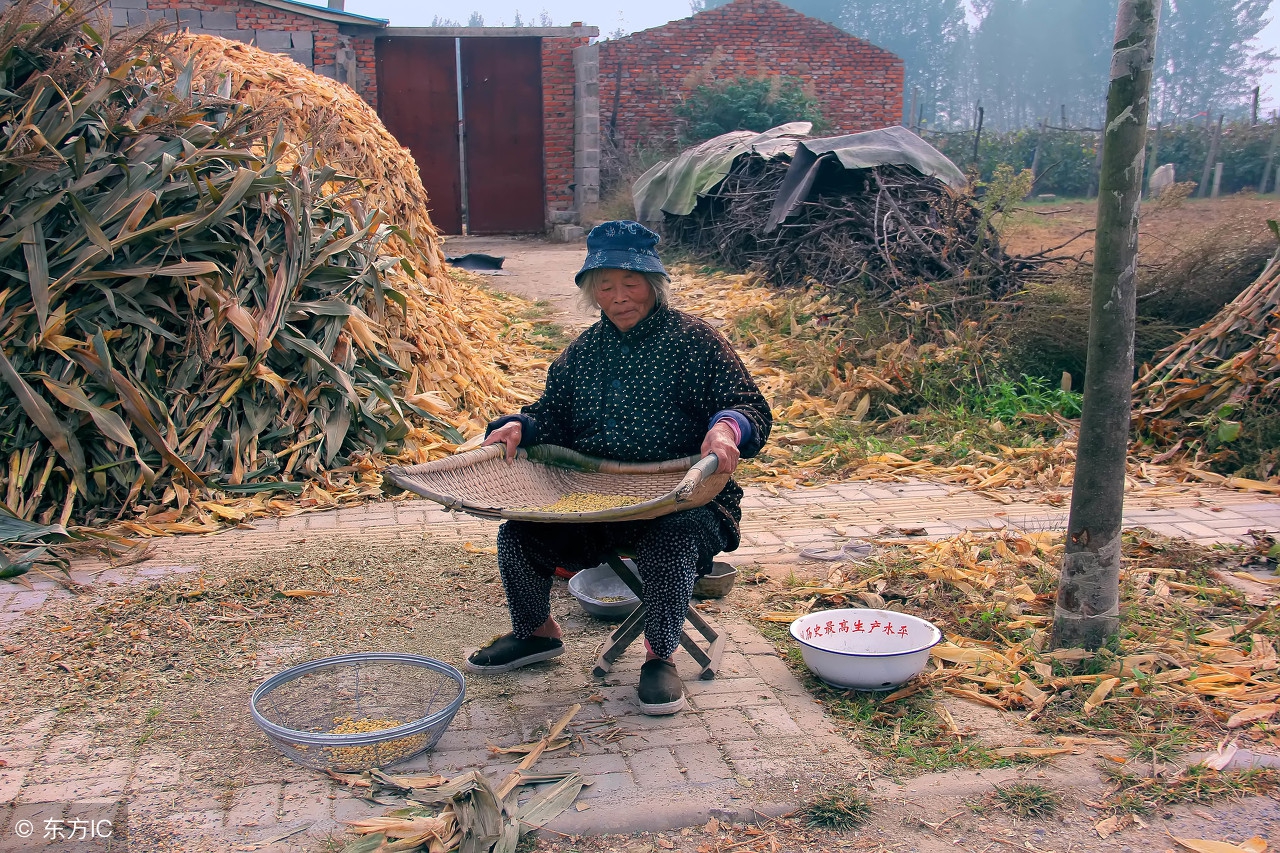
[622, 245]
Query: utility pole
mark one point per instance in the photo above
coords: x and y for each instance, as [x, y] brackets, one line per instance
[1209, 160]
[1087, 613]
[977, 135]
[1035, 157]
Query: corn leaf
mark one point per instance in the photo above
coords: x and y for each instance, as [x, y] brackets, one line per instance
[42, 416]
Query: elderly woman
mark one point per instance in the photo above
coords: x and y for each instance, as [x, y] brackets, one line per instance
[645, 383]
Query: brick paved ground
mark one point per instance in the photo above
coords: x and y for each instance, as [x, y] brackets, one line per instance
[752, 738]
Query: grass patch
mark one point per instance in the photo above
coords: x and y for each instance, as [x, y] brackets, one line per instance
[906, 736]
[1166, 741]
[1196, 784]
[544, 333]
[840, 810]
[1027, 799]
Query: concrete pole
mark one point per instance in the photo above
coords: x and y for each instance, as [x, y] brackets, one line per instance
[1209, 160]
[1154, 162]
[1035, 156]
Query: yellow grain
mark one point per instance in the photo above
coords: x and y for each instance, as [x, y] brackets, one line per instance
[589, 502]
[374, 754]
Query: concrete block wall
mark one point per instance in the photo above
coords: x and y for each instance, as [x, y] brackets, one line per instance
[586, 127]
[335, 50]
[859, 85]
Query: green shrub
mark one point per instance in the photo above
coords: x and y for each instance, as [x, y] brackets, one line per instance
[746, 103]
[1031, 395]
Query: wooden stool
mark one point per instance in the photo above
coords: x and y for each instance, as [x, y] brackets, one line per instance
[633, 626]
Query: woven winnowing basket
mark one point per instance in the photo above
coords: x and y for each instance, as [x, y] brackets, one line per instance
[482, 482]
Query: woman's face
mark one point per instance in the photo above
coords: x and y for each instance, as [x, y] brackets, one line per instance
[625, 297]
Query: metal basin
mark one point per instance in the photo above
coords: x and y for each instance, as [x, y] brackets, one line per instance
[602, 593]
[863, 649]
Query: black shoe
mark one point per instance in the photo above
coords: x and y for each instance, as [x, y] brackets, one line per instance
[507, 653]
[661, 691]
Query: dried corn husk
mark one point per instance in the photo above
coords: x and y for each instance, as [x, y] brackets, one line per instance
[1218, 670]
[1226, 365]
[234, 317]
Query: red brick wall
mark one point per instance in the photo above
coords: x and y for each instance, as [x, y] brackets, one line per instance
[253, 16]
[858, 84]
[368, 63]
[557, 119]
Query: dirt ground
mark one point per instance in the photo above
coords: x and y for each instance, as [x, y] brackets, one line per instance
[1162, 232]
[155, 664]
[533, 269]
[158, 664]
[542, 271]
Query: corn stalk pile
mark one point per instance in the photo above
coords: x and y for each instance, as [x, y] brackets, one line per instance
[887, 231]
[1228, 365]
[992, 595]
[815, 379]
[193, 308]
[448, 337]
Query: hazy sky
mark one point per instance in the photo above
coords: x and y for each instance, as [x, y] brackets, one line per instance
[1271, 38]
[610, 15]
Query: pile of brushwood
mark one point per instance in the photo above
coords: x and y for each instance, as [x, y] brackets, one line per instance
[888, 234]
[182, 313]
[1214, 396]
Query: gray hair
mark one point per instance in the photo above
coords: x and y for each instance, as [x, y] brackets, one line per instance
[587, 288]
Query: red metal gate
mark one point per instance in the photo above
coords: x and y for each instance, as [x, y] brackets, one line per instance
[418, 102]
[502, 105]
[502, 102]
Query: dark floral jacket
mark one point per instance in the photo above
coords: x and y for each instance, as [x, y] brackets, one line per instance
[647, 395]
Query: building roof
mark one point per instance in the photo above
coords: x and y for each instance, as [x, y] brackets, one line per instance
[497, 32]
[727, 13]
[324, 13]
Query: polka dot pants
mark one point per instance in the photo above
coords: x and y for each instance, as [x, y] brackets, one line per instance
[669, 552]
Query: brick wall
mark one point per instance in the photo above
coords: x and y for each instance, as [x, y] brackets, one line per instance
[310, 41]
[557, 119]
[859, 85]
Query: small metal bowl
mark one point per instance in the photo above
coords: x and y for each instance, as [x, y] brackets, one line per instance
[597, 587]
[716, 583]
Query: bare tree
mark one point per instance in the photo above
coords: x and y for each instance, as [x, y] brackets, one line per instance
[1088, 609]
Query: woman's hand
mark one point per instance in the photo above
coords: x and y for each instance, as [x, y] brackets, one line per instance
[723, 443]
[508, 435]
